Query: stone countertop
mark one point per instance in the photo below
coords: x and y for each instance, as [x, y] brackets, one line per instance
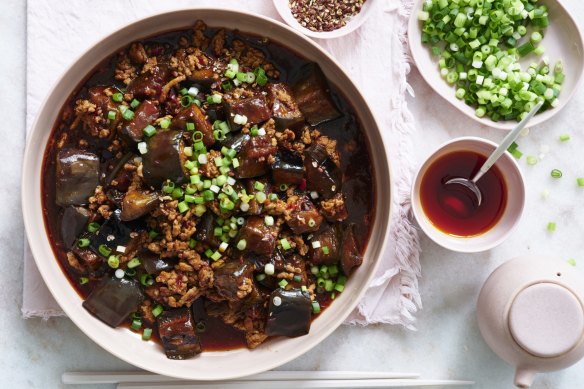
[447, 344]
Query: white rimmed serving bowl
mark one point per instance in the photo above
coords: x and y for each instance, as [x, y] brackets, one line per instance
[122, 342]
[352, 24]
[563, 41]
[511, 215]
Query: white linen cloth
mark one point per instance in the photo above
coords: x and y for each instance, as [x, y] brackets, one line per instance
[374, 56]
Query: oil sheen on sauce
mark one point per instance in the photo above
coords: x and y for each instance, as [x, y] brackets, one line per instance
[453, 208]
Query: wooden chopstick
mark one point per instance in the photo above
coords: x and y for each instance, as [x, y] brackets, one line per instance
[116, 377]
[297, 384]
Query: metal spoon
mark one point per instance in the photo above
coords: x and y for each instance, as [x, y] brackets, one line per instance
[495, 155]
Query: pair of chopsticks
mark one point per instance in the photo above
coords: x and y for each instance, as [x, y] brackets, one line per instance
[267, 380]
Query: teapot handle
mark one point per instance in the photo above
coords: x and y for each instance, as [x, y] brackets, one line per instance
[524, 377]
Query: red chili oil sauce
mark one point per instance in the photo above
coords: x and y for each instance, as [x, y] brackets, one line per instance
[453, 208]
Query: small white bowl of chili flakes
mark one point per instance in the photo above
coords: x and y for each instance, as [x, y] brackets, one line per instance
[324, 19]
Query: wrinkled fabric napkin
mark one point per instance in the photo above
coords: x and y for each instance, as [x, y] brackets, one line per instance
[374, 56]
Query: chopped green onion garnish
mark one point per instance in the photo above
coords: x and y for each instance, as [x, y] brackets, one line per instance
[186, 101]
[164, 123]
[127, 113]
[136, 324]
[285, 244]
[104, 250]
[134, 262]
[113, 261]
[339, 288]
[117, 97]
[147, 334]
[283, 187]
[260, 277]
[149, 130]
[183, 206]
[111, 115]
[325, 250]
[197, 136]
[152, 234]
[93, 227]
[556, 173]
[297, 278]
[83, 280]
[216, 255]
[190, 126]
[283, 283]
[83, 242]
[258, 185]
[564, 137]
[580, 181]
[315, 307]
[134, 104]
[551, 227]
[201, 327]
[146, 280]
[269, 220]
[157, 310]
[311, 223]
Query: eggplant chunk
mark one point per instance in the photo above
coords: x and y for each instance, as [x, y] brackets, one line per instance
[77, 176]
[304, 217]
[254, 108]
[289, 313]
[350, 254]
[255, 208]
[153, 264]
[177, 332]
[236, 142]
[165, 159]
[148, 84]
[253, 158]
[145, 114]
[322, 175]
[90, 261]
[260, 238]
[288, 167]
[202, 76]
[193, 114]
[313, 95]
[114, 233]
[72, 224]
[327, 237]
[113, 299]
[234, 281]
[137, 203]
[285, 111]
[205, 230]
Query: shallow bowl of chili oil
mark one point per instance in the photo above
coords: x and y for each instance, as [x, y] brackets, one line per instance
[128, 345]
[449, 214]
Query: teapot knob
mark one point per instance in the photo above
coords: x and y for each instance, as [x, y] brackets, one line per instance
[524, 377]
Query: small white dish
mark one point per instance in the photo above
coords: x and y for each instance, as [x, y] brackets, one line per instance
[563, 40]
[511, 214]
[352, 24]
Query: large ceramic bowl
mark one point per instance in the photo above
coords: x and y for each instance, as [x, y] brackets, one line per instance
[121, 342]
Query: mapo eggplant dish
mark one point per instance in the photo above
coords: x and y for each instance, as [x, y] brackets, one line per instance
[209, 190]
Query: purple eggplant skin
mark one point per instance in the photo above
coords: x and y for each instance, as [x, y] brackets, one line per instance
[254, 155]
[148, 85]
[290, 313]
[153, 264]
[231, 276]
[77, 176]
[300, 216]
[204, 231]
[177, 332]
[145, 114]
[287, 168]
[114, 232]
[254, 108]
[351, 257]
[113, 299]
[260, 238]
[72, 224]
[322, 174]
[328, 236]
[285, 111]
[137, 203]
[236, 141]
[193, 114]
[164, 159]
[313, 95]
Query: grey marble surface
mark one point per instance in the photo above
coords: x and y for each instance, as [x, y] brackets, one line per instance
[447, 344]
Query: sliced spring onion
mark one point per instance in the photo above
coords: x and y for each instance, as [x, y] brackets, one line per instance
[113, 261]
[93, 227]
[118, 97]
[572, 261]
[136, 324]
[269, 269]
[83, 242]
[241, 245]
[531, 160]
[149, 130]
[269, 220]
[134, 262]
[142, 147]
[551, 226]
[104, 250]
[147, 334]
[564, 137]
[283, 283]
[285, 244]
[146, 280]
[556, 173]
[83, 280]
[315, 307]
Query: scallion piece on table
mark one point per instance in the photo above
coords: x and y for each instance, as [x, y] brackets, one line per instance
[556, 173]
[580, 181]
[531, 160]
[564, 137]
[551, 226]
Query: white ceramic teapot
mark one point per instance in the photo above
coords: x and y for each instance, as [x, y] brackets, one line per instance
[531, 313]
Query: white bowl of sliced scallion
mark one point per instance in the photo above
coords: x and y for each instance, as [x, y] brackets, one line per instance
[494, 59]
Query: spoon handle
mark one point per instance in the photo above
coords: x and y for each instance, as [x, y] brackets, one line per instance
[510, 138]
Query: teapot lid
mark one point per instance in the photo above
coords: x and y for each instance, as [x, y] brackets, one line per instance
[546, 320]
